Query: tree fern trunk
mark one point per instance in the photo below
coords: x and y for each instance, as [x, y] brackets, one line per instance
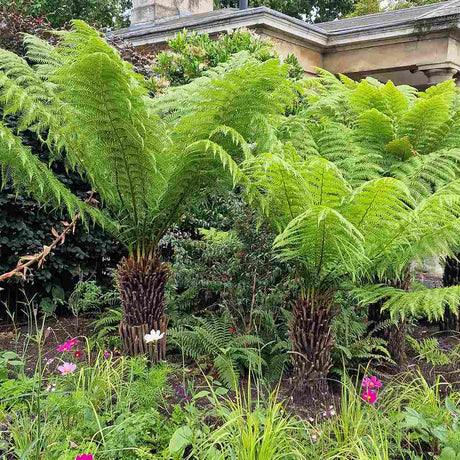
[312, 341]
[142, 288]
[451, 277]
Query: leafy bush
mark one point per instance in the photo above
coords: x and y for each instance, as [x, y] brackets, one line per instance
[190, 54]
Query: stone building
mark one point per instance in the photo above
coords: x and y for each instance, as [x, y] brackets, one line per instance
[417, 46]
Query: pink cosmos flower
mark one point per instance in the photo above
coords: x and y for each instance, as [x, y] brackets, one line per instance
[106, 354]
[371, 382]
[67, 368]
[369, 396]
[84, 457]
[67, 346]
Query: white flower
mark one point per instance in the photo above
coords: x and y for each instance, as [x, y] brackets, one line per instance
[154, 336]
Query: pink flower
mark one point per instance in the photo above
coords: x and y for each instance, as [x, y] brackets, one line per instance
[67, 368]
[67, 346]
[77, 354]
[84, 457]
[369, 396]
[372, 382]
[73, 445]
[106, 354]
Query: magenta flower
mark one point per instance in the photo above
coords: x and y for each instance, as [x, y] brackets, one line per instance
[106, 354]
[371, 382]
[67, 346]
[67, 368]
[84, 457]
[369, 396]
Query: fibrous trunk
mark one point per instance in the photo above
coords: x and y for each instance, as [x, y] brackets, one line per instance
[312, 341]
[142, 288]
[451, 277]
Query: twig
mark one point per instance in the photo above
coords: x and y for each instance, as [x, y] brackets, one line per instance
[26, 261]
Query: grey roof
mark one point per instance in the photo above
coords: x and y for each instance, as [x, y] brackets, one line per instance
[393, 17]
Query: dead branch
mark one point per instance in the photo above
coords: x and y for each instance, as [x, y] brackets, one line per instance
[25, 262]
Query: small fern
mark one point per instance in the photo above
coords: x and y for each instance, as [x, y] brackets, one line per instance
[429, 350]
[352, 341]
[108, 323]
[215, 337]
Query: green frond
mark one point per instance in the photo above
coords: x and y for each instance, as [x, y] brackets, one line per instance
[199, 150]
[429, 350]
[397, 101]
[323, 241]
[429, 303]
[367, 96]
[212, 337]
[324, 184]
[236, 138]
[30, 175]
[424, 174]
[227, 371]
[377, 207]
[42, 54]
[376, 129]
[424, 123]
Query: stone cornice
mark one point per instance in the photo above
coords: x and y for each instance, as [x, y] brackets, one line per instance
[223, 20]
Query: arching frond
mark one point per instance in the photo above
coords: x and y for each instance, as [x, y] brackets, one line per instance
[30, 175]
[377, 207]
[323, 241]
[424, 174]
[429, 303]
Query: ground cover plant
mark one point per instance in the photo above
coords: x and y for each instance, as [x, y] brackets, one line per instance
[271, 227]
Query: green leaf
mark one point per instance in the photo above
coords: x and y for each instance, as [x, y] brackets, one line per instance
[448, 454]
[181, 438]
[221, 391]
[440, 432]
[450, 406]
[201, 394]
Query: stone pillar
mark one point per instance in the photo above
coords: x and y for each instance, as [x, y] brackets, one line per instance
[440, 72]
[145, 11]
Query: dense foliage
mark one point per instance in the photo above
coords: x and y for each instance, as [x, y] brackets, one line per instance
[263, 217]
[26, 227]
[59, 13]
[306, 10]
[191, 54]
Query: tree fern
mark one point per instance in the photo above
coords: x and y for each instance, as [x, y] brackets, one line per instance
[396, 127]
[95, 108]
